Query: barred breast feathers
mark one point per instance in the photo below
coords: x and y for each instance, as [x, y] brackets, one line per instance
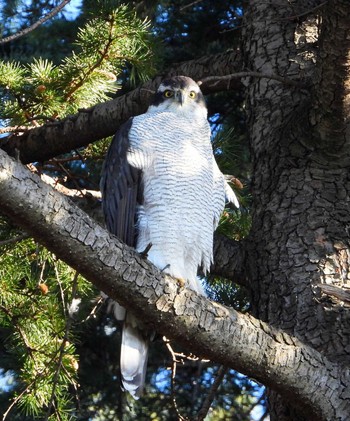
[182, 187]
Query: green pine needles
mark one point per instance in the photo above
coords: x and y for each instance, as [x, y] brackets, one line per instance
[42, 91]
[38, 301]
[39, 329]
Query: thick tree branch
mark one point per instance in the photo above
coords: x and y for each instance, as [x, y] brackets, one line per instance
[104, 119]
[209, 329]
[213, 81]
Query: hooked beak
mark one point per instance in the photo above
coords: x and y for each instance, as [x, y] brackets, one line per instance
[180, 96]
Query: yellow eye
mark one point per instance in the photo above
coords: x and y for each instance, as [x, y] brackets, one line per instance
[168, 94]
[192, 94]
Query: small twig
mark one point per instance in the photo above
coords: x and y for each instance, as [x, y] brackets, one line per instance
[54, 183]
[16, 326]
[196, 386]
[307, 12]
[235, 181]
[15, 129]
[94, 310]
[211, 395]
[83, 159]
[67, 159]
[17, 398]
[69, 175]
[173, 374]
[41, 278]
[335, 291]
[69, 321]
[61, 289]
[103, 56]
[13, 240]
[218, 79]
[31, 28]
[190, 4]
[69, 192]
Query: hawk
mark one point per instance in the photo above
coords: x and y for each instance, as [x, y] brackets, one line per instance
[161, 186]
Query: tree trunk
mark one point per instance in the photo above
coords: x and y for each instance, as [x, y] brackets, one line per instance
[300, 149]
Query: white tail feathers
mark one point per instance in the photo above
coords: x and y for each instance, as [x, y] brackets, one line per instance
[133, 358]
[114, 307]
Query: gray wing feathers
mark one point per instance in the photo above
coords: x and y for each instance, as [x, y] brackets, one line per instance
[121, 194]
[121, 188]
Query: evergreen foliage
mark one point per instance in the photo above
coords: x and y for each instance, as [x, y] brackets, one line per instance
[38, 300]
[42, 91]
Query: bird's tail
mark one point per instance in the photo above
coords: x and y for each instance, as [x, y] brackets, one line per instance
[133, 357]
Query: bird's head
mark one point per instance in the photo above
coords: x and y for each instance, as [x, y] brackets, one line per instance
[179, 94]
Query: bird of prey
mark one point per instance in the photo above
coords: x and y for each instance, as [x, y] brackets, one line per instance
[161, 186]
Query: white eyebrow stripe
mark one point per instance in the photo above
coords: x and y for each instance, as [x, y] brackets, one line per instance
[163, 88]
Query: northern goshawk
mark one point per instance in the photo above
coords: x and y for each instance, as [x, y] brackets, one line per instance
[161, 185]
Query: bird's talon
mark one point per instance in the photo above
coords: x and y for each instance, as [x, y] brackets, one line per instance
[165, 268]
[144, 253]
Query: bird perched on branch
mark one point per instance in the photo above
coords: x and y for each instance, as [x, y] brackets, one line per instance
[161, 186]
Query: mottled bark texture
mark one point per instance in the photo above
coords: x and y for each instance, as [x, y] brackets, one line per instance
[104, 119]
[229, 259]
[209, 329]
[301, 187]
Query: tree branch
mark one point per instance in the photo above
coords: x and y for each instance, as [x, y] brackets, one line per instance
[209, 329]
[336, 292]
[35, 25]
[13, 240]
[14, 129]
[102, 120]
[203, 412]
[213, 81]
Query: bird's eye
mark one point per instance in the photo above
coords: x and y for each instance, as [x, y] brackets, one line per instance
[192, 94]
[168, 94]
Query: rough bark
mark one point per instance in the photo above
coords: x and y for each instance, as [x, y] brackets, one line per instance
[206, 328]
[229, 260]
[301, 186]
[104, 119]
[330, 112]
